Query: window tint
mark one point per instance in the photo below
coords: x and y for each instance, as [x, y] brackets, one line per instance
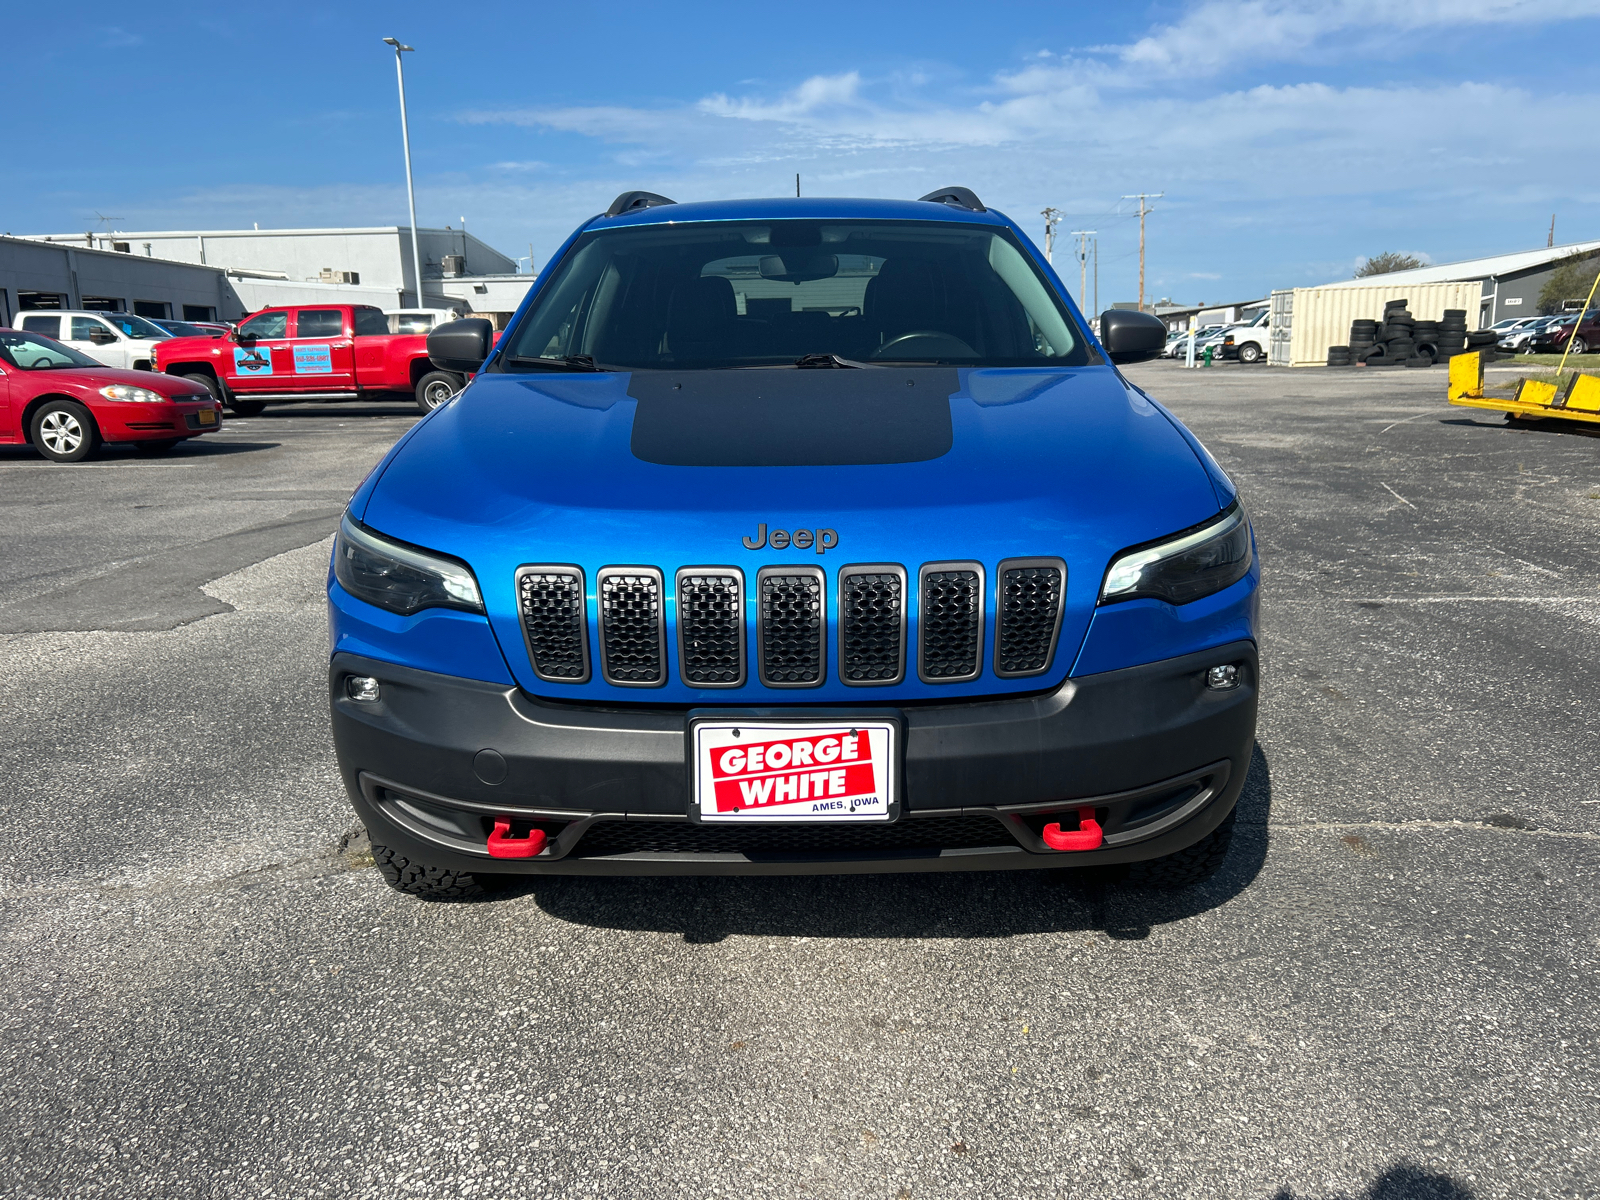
[267, 325]
[723, 294]
[84, 328]
[30, 352]
[49, 326]
[370, 321]
[319, 323]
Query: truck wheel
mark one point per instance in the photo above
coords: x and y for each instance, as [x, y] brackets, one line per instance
[419, 879]
[1249, 353]
[246, 408]
[1188, 866]
[64, 432]
[435, 388]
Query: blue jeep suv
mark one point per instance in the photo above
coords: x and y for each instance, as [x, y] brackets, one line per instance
[794, 536]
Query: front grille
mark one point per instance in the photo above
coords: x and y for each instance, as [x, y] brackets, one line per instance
[951, 622]
[792, 619]
[550, 601]
[632, 632]
[927, 834]
[872, 624]
[1028, 615]
[710, 627]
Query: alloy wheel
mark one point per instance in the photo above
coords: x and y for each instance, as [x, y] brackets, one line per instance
[61, 431]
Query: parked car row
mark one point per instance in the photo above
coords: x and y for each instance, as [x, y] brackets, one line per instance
[1550, 335]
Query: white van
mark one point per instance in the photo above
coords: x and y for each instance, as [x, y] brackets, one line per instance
[418, 320]
[117, 339]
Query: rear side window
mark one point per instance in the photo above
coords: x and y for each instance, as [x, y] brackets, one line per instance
[49, 326]
[319, 323]
[267, 325]
[370, 321]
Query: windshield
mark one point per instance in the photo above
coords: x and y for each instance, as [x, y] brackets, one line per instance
[743, 294]
[134, 327]
[31, 352]
[184, 329]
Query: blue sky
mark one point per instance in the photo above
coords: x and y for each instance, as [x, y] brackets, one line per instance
[1290, 138]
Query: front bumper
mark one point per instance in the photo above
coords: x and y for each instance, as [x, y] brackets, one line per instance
[1159, 756]
[146, 422]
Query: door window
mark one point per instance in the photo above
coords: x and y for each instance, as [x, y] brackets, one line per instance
[86, 329]
[49, 326]
[267, 325]
[319, 323]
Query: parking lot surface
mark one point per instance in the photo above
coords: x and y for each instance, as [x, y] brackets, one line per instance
[1389, 992]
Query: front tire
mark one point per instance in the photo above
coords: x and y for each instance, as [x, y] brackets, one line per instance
[1579, 346]
[1189, 866]
[436, 388]
[157, 447]
[416, 878]
[1249, 353]
[64, 432]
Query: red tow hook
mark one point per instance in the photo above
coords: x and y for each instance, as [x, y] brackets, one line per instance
[1087, 836]
[503, 845]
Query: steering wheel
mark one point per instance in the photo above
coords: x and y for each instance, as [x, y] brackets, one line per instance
[938, 345]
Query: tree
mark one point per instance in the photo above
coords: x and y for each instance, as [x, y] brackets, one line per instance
[1571, 280]
[1389, 260]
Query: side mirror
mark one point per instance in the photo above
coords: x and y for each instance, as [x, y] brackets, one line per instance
[460, 345]
[1129, 336]
[102, 337]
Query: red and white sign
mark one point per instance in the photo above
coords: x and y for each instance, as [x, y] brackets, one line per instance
[794, 772]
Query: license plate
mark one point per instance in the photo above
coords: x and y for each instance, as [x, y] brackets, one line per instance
[760, 771]
[208, 416]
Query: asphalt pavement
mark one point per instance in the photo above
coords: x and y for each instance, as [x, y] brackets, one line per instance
[1388, 993]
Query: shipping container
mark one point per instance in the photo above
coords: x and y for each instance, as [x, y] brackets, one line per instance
[1282, 322]
[1320, 317]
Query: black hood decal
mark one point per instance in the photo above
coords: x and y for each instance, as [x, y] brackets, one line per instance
[792, 417]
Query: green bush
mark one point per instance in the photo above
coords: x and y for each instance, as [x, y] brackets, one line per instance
[1571, 280]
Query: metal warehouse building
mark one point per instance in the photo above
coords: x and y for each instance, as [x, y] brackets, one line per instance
[35, 275]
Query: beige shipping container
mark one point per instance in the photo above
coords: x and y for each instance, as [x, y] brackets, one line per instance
[1321, 316]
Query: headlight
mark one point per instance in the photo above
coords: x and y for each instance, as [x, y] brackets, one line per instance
[1186, 567]
[121, 391]
[400, 578]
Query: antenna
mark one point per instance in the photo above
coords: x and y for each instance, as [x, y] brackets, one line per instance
[105, 221]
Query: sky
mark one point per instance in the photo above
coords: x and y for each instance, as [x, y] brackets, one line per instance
[1289, 139]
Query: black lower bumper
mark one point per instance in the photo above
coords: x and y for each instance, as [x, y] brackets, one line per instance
[1158, 755]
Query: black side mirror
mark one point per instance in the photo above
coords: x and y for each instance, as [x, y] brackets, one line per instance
[460, 345]
[1129, 336]
[102, 337]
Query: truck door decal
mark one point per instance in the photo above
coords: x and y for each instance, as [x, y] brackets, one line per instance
[247, 360]
[313, 360]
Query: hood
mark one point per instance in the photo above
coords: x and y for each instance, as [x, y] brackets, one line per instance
[174, 386]
[905, 466]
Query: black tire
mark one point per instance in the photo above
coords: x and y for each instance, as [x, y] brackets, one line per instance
[63, 431]
[158, 447]
[246, 408]
[1419, 360]
[1189, 866]
[1250, 353]
[436, 388]
[1579, 346]
[419, 879]
[211, 384]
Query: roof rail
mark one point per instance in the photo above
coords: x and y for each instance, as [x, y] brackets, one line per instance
[957, 197]
[629, 201]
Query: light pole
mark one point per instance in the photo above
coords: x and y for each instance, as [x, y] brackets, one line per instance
[1052, 218]
[405, 140]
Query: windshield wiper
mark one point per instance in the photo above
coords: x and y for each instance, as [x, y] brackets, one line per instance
[827, 361]
[566, 362]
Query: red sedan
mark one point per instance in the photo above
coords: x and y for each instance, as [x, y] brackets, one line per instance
[65, 404]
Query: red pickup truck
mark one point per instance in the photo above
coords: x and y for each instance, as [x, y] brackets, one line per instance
[310, 352]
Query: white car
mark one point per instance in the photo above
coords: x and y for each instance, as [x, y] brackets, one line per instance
[117, 339]
[418, 320]
[1178, 343]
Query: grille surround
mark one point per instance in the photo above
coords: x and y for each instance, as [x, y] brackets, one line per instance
[642, 641]
[978, 624]
[686, 654]
[1006, 619]
[768, 626]
[576, 668]
[897, 574]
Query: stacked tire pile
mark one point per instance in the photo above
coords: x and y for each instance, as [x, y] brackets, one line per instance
[1400, 340]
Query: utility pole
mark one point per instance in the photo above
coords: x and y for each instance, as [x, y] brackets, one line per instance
[1052, 218]
[1083, 236]
[1551, 240]
[1143, 213]
[405, 140]
[1097, 275]
[797, 185]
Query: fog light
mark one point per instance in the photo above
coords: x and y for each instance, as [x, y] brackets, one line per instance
[365, 687]
[1218, 679]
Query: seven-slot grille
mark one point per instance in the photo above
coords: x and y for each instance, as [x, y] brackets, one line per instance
[872, 624]
[791, 624]
[951, 622]
[1027, 614]
[550, 601]
[633, 644]
[710, 626]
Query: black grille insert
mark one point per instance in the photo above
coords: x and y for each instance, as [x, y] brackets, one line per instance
[950, 622]
[710, 627]
[791, 626]
[550, 601]
[632, 628]
[1028, 614]
[927, 834]
[872, 624]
